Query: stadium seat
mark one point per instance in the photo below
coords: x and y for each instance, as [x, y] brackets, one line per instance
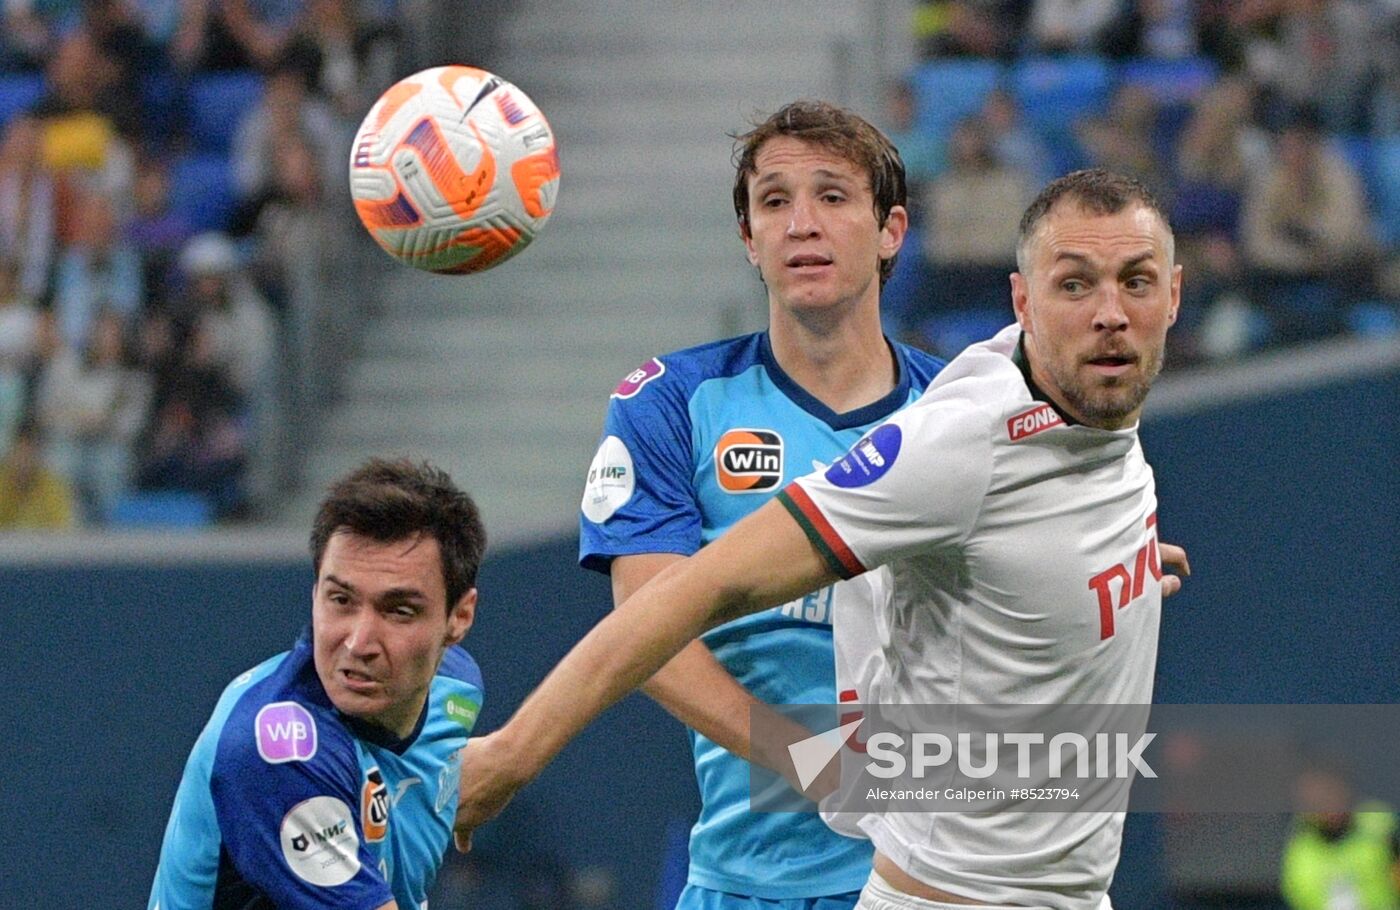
[18, 93]
[1384, 187]
[1171, 82]
[947, 91]
[218, 102]
[1054, 92]
[201, 189]
[161, 509]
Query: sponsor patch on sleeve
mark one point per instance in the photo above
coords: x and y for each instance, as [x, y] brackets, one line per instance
[374, 807]
[319, 841]
[639, 377]
[611, 480]
[285, 732]
[1028, 423]
[868, 460]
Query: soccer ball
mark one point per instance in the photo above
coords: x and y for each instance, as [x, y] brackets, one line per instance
[454, 170]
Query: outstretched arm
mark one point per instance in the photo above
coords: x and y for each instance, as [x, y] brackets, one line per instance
[763, 561]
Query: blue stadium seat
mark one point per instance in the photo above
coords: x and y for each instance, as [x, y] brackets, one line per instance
[1054, 92]
[1171, 82]
[1385, 187]
[201, 189]
[947, 91]
[218, 102]
[18, 93]
[161, 509]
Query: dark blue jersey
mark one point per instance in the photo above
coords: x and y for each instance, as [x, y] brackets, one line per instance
[286, 803]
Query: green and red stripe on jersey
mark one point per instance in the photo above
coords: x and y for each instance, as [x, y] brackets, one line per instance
[819, 531]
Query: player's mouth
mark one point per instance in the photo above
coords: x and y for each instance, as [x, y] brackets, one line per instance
[356, 681]
[808, 262]
[1112, 363]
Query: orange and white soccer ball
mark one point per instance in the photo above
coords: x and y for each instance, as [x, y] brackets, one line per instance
[454, 170]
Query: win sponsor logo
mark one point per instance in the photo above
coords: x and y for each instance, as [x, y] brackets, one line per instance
[1028, 423]
[749, 461]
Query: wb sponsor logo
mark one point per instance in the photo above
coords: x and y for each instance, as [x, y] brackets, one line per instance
[749, 461]
[285, 732]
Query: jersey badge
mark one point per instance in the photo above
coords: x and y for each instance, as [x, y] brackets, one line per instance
[319, 841]
[1028, 423]
[374, 807]
[639, 377]
[285, 732]
[610, 481]
[461, 709]
[868, 460]
[749, 461]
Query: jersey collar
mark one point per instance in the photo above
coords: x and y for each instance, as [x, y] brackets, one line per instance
[1018, 357]
[861, 416]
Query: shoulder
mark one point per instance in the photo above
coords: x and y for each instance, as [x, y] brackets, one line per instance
[276, 724]
[679, 373]
[922, 365]
[458, 665]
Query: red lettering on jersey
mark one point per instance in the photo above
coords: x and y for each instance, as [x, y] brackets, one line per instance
[1146, 561]
[1033, 421]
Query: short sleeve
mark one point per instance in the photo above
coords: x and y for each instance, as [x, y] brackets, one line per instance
[286, 796]
[640, 496]
[913, 483]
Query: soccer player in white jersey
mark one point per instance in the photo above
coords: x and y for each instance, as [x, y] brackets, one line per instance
[1009, 504]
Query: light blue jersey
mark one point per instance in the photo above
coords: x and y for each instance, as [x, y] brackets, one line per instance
[286, 803]
[693, 442]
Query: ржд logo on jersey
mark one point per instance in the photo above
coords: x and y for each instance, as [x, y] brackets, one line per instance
[749, 461]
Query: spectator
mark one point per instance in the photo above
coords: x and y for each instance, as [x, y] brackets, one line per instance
[1219, 319]
[229, 317]
[157, 232]
[1153, 29]
[1217, 150]
[1306, 232]
[234, 34]
[91, 406]
[968, 28]
[973, 210]
[100, 269]
[921, 151]
[1340, 856]
[21, 325]
[356, 54]
[196, 441]
[1073, 26]
[32, 30]
[286, 219]
[32, 496]
[27, 207]
[1015, 145]
[286, 107]
[1123, 140]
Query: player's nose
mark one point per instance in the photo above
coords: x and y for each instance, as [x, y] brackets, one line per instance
[362, 634]
[802, 221]
[1109, 312]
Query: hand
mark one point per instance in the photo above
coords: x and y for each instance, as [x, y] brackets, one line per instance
[1174, 558]
[489, 778]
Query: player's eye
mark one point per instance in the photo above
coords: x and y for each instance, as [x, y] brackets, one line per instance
[833, 196]
[773, 202]
[1074, 285]
[339, 598]
[1138, 283]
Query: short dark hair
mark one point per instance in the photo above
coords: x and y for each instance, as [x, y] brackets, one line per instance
[838, 131]
[1095, 190]
[395, 500]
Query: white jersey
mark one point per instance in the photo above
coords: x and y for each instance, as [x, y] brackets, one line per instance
[1020, 567]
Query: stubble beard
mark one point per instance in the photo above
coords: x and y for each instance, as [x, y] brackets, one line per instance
[1106, 402]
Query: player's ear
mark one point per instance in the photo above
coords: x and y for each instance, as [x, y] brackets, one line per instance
[747, 236]
[460, 617]
[1020, 299]
[1176, 295]
[893, 231]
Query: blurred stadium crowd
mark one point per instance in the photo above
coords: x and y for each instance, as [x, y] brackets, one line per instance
[1269, 128]
[166, 169]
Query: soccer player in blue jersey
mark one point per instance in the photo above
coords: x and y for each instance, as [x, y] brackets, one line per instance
[327, 776]
[698, 439]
